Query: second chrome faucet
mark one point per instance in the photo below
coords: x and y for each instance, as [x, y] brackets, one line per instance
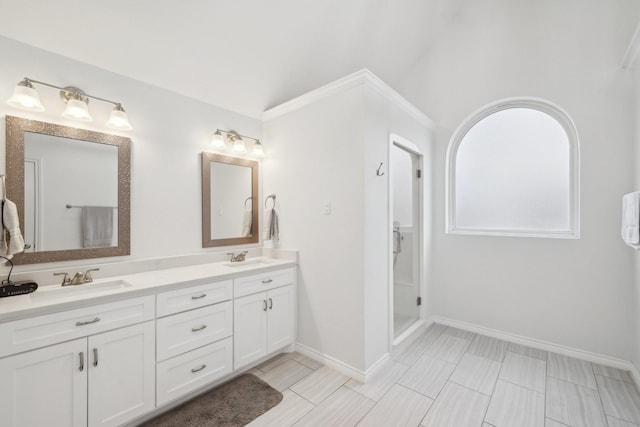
[79, 278]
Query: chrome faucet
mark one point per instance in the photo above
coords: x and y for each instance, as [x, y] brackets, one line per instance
[238, 257]
[79, 278]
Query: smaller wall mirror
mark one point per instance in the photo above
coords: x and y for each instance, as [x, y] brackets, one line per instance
[229, 200]
[71, 187]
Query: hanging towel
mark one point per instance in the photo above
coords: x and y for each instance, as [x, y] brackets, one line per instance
[97, 226]
[12, 240]
[631, 219]
[272, 228]
[247, 219]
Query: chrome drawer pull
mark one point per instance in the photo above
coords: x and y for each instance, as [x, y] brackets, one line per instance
[265, 305]
[267, 281]
[199, 296]
[194, 370]
[198, 328]
[270, 304]
[81, 367]
[95, 357]
[88, 322]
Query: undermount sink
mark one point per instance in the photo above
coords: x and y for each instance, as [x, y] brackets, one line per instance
[251, 262]
[58, 292]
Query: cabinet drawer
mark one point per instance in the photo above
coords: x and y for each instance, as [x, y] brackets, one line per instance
[193, 297]
[185, 331]
[40, 331]
[262, 282]
[187, 372]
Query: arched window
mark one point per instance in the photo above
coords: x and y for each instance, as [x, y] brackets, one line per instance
[513, 170]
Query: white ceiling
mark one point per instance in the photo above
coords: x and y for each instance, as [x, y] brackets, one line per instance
[243, 55]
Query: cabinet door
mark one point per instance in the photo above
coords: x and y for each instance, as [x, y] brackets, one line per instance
[250, 329]
[280, 318]
[46, 387]
[121, 374]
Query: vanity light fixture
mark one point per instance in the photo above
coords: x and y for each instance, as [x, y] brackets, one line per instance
[26, 97]
[236, 142]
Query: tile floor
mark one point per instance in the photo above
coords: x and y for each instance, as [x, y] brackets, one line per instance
[449, 377]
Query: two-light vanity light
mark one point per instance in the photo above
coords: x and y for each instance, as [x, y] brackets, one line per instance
[236, 142]
[26, 97]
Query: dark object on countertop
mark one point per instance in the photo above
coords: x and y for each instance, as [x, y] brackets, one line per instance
[11, 289]
[235, 403]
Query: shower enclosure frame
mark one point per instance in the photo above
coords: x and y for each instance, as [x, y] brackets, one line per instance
[419, 224]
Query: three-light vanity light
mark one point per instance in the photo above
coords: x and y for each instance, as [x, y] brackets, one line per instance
[236, 141]
[26, 97]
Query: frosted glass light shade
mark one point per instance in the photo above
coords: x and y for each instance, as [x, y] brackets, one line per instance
[239, 147]
[258, 149]
[217, 140]
[26, 98]
[77, 110]
[119, 119]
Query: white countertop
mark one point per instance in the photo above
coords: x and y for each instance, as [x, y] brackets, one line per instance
[138, 284]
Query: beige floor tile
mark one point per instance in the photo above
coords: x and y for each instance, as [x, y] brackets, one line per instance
[524, 371]
[448, 347]
[316, 386]
[460, 333]
[608, 371]
[457, 406]
[573, 404]
[615, 422]
[286, 413]
[572, 370]
[620, 399]
[381, 382]
[306, 361]
[410, 354]
[427, 376]
[489, 348]
[512, 405]
[477, 373]
[345, 408]
[527, 351]
[285, 374]
[399, 407]
[274, 361]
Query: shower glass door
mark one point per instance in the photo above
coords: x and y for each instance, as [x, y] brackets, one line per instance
[405, 238]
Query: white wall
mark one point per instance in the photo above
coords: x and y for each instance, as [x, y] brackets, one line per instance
[329, 150]
[636, 289]
[572, 292]
[170, 132]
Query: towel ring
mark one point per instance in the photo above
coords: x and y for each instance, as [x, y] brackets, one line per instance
[246, 200]
[270, 196]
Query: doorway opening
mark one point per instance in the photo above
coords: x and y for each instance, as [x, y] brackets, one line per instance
[406, 236]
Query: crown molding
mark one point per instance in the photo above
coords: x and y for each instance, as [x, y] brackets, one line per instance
[359, 78]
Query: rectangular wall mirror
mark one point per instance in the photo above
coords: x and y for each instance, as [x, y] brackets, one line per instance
[71, 187]
[229, 200]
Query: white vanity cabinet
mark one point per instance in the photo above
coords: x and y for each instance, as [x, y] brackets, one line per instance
[263, 315]
[194, 343]
[97, 379]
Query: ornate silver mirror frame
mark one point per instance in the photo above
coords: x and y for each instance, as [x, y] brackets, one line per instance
[15, 157]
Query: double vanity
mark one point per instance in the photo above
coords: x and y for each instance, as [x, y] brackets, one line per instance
[112, 351]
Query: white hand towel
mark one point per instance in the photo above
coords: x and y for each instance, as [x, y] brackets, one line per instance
[97, 226]
[12, 240]
[246, 224]
[631, 219]
[267, 225]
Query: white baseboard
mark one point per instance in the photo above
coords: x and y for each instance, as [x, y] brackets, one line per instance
[542, 345]
[333, 363]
